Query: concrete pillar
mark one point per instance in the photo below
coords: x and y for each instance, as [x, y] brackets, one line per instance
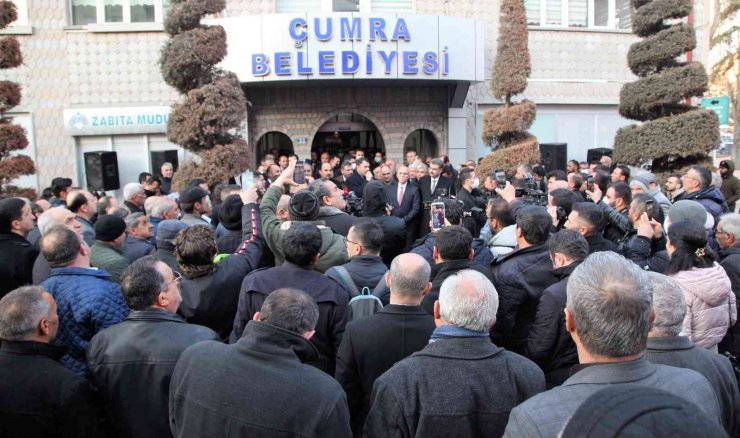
[457, 135]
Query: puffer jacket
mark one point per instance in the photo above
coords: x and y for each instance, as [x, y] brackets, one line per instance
[712, 200]
[503, 242]
[711, 305]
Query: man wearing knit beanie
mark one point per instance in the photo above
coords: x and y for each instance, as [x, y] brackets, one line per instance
[107, 252]
[650, 181]
[304, 206]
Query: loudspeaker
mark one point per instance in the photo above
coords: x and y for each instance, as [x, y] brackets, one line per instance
[161, 157]
[101, 171]
[554, 156]
[595, 154]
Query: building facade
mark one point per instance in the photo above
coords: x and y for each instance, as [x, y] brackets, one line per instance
[91, 79]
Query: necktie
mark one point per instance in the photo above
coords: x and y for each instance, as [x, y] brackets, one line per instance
[434, 185]
[400, 196]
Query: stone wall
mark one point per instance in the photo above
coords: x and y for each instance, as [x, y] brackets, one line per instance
[395, 111]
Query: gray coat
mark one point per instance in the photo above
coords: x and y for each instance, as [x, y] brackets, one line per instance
[546, 414]
[459, 387]
[678, 351]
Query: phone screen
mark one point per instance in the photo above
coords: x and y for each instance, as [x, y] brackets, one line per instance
[500, 179]
[299, 175]
[438, 215]
[590, 183]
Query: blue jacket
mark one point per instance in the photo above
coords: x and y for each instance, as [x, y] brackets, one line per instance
[87, 302]
[425, 245]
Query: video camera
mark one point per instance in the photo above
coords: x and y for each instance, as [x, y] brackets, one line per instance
[530, 194]
[354, 204]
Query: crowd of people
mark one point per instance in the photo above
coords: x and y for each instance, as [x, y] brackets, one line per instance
[328, 299]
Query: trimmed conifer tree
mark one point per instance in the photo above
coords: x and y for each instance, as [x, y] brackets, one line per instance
[12, 137]
[674, 134]
[505, 128]
[208, 118]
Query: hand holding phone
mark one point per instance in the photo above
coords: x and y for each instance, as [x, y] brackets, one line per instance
[438, 215]
[299, 174]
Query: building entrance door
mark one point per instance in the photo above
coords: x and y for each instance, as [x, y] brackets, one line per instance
[347, 131]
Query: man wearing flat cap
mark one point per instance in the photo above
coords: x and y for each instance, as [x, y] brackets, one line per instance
[194, 202]
[107, 252]
[304, 207]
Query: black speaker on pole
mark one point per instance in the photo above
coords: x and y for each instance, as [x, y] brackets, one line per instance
[595, 154]
[101, 171]
[554, 156]
[161, 157]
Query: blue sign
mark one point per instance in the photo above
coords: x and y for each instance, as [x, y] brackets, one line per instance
[348, 62]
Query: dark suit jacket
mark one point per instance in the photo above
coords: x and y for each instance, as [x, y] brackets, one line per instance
[371, 346]
[410, 204]
[356, 183]
[444, 188]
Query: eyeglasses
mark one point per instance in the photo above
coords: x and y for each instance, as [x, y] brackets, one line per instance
[175, 280]
[349, 241]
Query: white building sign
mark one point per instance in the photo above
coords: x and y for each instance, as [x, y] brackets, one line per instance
[124, 120]
[290, 47]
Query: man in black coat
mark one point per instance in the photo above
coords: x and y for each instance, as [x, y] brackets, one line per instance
[260, 385]
[666, 347]
[356, 183]
[134, 360]
[365, 267]
[17, 255]
[210, 292]
[452, 253]
[460, 384]
[372, 345]
[548, 343]
[405, 201]
[39, 397]
[431, 187]
[302, 246]
[474, 205]
[139, 232]
[521, 277]
[587, 219]
[375, 206]
[728, 238]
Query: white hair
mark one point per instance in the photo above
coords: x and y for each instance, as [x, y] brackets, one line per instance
[669, 305]
[130, 189]
[468, 299]
[731, 224]
[48, 219]
[160, 206]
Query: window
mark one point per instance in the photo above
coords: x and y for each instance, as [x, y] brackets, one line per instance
[22, 8]
[400, 6]
[84, 12]
[605, 14]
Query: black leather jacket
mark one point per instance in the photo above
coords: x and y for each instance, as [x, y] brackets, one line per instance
[131, 364]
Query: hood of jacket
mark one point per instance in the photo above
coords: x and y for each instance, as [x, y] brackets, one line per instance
[730, 166]
[710, 193]
[506, 237]
[709, 284]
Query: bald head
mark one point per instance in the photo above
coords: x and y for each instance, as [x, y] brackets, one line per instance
[58, 216]
[281, 210]
[408, 279]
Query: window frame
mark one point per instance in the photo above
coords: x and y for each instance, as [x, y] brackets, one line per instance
[365, 7]
[611, 26]
[100, 15]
